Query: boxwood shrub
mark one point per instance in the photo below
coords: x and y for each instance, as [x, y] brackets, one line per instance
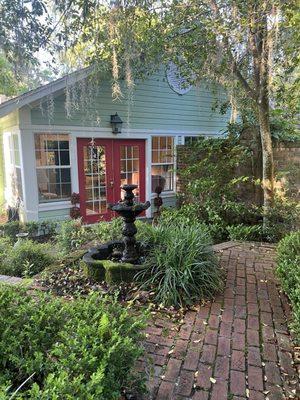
[81, 349]
[288, 270]
[26, 259]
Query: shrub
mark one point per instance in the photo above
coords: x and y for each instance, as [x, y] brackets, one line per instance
[288, 270]
[34, 228]
[283, 218]
[181, 268]
[83, 349]
[27, 259]
[10, 229]
[106, 231]
[72, 235]
[245, 232]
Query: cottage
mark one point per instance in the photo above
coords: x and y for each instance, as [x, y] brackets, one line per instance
[48, 152]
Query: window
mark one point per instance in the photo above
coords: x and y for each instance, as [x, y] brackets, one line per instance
[15, 167]
[162, 170]
[190, 140]
[53, 167]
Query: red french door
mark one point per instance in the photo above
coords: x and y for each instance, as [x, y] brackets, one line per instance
[103, 166]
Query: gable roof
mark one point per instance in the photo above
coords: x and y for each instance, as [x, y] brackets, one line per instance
[36, 94]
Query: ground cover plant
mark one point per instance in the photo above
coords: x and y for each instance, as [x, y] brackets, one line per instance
[288, 270]
[83, 349]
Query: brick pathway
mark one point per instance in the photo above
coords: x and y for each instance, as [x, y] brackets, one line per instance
[234, 348]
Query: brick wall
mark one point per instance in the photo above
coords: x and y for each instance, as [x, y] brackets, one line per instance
[286, 160]
[287, 166]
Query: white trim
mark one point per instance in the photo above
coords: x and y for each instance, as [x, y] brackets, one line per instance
[57, 205]
[164, 194]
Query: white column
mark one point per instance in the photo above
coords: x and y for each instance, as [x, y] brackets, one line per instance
[148, 154]
[74, 163]
[28, 167]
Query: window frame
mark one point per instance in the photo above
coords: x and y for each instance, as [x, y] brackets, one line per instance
[172, 164]
[54, 167]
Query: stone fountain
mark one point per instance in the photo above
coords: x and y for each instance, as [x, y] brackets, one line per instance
[117, 260]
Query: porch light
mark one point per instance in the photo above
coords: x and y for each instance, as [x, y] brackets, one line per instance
[116, 123]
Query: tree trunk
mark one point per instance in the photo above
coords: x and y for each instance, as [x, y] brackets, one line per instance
[267, 154]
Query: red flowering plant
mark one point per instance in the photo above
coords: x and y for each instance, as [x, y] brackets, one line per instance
[75, 210]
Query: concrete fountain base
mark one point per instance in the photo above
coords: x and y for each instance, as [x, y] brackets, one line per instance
[101, 264]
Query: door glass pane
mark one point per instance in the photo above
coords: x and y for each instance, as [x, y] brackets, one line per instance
[130, 173]
[95, 179]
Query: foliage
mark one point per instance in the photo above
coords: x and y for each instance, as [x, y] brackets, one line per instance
[107, 231]
[25, 27]
[212, 166]
[72, 234]
[245, 232]
[26, 259]
[283, 217]
[34, 228]
[288, 270]
[181, 267]
[283, 128]
[83, 349]
[5, 244]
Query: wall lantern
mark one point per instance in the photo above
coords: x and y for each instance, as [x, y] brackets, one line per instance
[116, 123]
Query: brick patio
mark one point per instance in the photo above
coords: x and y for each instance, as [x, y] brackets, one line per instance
[237, 347]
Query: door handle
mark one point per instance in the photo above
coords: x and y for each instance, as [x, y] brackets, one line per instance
[111, 183]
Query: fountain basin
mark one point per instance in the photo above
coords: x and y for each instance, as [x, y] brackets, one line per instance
[101, 263]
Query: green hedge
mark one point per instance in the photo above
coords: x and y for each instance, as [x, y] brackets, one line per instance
[24, 260]
[83, 349]
[288, 270]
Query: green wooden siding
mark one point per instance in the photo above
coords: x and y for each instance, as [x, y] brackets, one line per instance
[153, 105]
[9, 121]
[2, 173]
[55, 215]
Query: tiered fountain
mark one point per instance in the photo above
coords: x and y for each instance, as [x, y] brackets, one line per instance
[117, 260]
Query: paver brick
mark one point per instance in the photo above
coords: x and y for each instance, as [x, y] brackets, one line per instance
[219, 390]
[238, 341]
[191, 359]
[211, 336]
[205, 372]
[180, 348]
[272, 373]
[208, 354]
[255, 378]
[221, 370]
[252, 337]
[165, 391]
[225, 329]
[254, 395]
[269, 352]
[173, 369]
[200, 395]
[186, 382]
[239, 325]
[224, 346]
[238, 360]
[237, 383]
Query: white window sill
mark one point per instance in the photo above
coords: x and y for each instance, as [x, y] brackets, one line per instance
[55, 205]
[164, 194]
